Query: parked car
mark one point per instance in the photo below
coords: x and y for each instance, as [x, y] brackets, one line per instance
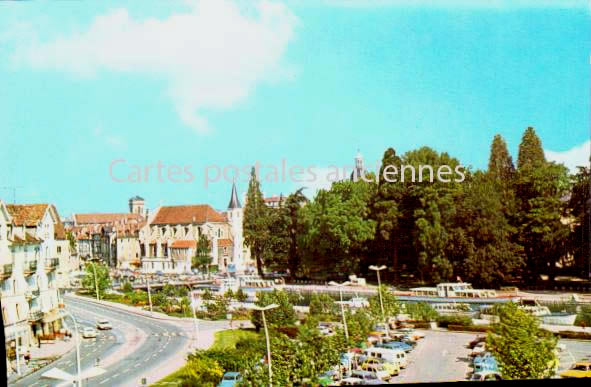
[397, 356]
[351, 381]
[393, 369]
[578, 370]
[230, 379]
[89, 333]
[381, 371]
[479, 349]
[104, 325]
[486, 376]
[477, 340]
[367, 377]
[396, 345]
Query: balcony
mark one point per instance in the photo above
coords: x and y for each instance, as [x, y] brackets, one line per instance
[35, 315]
[5, 270]
[30, 294]
[30, 267]
[51, 264]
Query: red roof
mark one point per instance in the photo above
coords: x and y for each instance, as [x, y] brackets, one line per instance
[199, 214]
[224, 242]
[273, 199]
[27, 214]
[183, 244]
[101, 218]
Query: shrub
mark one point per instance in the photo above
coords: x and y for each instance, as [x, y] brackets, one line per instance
[421, 311]
[444, 321]
[241, 296]
[127, 288]
[201, 371]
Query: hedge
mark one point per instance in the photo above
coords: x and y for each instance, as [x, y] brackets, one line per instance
[471, 328]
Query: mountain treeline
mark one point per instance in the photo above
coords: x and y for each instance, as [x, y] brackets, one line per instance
[513, 221]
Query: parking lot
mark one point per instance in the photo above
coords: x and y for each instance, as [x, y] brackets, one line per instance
[442, 356]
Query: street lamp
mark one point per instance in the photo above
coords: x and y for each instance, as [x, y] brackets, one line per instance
[77, 346]
[196, 324]
[262, 310]
[340, 286]
[377, 269]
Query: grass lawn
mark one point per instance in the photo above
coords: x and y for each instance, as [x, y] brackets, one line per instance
[223, 340]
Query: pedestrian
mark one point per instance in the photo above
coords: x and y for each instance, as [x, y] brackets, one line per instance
[98, 361]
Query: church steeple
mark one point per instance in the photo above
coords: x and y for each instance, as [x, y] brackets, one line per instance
[234, 202]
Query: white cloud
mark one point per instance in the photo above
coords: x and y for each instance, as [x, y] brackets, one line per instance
[482, 4]
[211, 56]
[573, 157]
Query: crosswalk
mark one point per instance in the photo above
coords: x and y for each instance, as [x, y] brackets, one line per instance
[168, 334]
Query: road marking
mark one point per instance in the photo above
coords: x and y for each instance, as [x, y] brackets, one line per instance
[104, 381]
[114, 376]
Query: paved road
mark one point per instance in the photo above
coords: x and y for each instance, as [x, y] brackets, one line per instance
[439, 357]
[162, 341]
[442, 357]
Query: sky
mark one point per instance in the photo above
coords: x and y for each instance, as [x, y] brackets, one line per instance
[95, 96]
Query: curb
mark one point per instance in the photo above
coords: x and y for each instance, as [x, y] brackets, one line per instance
[131, 309]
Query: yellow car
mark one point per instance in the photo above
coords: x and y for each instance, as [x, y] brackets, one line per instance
[579, 370]
[392, 369]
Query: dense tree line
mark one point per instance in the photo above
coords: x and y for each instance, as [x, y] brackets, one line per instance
[504, 223]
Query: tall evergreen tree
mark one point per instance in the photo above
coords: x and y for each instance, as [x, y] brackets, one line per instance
[256, 222]
[531, 153]
[579, 207]
[540, 187]
[500, 163]
[295, 228]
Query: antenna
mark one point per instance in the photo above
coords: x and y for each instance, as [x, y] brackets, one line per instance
[13, 189]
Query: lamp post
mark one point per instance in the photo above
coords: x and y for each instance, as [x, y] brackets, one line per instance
[195, 322]
[340, 286]
[95, 281]
[79, 382]
[262, 310]
[377, 269]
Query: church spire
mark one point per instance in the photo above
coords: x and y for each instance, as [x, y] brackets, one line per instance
[234, 202]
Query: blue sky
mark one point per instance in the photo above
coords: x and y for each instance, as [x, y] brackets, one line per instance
[231, 83]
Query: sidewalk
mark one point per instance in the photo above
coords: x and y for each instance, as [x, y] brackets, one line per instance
[48, 351]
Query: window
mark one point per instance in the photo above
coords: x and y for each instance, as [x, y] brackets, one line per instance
[59, 249]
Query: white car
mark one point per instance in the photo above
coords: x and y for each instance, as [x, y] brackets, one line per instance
[479, 349]
[89, 333]
[104, 325]
[485, 376]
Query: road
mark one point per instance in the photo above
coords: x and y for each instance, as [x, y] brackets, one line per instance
[161, 341]
[442, 357]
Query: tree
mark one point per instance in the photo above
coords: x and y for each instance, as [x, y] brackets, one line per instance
[540, 187]
[483, 238]
[295, 227]
[256, 222]
[531, 153]
[202, 258]
[201, 371]
[338, 228]
[500, 163]
[386, 210]
[523, 350]
[284, 315]
[579, 208]
[359, 324]
[127, 287]
[102, 275]
[323, 305]
[391, 304]
[421, 311]
[240, 295]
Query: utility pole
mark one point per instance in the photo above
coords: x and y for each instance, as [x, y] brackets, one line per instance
[13, 189]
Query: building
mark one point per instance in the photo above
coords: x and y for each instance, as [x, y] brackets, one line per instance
[274, 201]
[169, 239]
[110, 237]
[34, 264]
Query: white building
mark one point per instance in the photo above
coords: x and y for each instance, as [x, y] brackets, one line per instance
[169, 238]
